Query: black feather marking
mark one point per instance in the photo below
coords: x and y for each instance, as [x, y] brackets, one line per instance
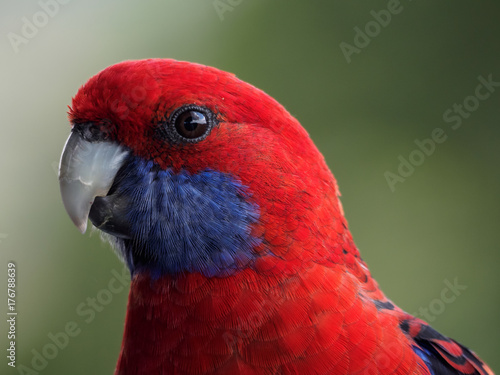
[387, 305]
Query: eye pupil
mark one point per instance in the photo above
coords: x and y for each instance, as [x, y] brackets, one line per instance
[191, 123]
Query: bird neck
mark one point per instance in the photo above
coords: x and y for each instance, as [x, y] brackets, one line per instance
[176, 317]
[190, 323]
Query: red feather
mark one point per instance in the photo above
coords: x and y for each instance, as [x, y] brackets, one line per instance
[308, 305]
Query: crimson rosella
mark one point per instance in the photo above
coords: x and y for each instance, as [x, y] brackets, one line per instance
[230, 223]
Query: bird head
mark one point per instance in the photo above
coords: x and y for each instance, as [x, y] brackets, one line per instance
[186, 168]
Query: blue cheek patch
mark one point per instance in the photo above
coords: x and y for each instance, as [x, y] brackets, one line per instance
[185, 222]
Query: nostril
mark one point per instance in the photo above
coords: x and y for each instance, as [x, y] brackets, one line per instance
[91, 132]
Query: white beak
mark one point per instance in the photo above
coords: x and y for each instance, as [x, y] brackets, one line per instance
[87, 170]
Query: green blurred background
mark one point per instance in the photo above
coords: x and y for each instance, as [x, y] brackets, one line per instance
[441, 223]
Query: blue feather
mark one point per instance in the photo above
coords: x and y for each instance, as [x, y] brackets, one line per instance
[182, 222]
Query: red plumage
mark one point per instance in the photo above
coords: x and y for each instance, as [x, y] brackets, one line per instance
[308, 305]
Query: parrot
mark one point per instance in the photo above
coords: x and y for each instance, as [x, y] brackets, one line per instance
[229, 221]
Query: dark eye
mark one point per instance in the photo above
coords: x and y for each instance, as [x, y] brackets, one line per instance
[190, 124]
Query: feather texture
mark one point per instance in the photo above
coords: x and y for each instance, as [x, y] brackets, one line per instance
[241, 256]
